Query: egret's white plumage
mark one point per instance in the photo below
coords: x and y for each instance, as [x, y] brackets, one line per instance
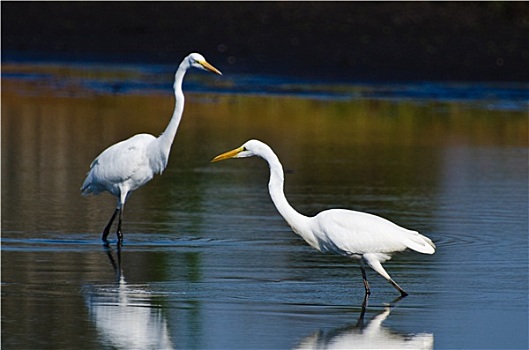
[130, 164]
[363, 236]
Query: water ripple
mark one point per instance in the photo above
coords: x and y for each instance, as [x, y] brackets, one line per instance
[83, 242]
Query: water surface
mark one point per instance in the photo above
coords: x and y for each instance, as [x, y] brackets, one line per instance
[208, 262]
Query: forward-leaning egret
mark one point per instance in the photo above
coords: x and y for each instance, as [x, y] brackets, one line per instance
[366, 237]
[130, 164]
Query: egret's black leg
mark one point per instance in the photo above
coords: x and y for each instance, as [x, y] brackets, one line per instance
[397, 287]
[364, 277]
[107, 227]
[119, 233]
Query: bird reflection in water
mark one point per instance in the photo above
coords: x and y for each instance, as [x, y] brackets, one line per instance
[124, 315]
[372, 335]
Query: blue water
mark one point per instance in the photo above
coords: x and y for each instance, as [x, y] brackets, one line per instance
[209, 264]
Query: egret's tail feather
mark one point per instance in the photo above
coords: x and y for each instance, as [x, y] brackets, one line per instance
[421, 244]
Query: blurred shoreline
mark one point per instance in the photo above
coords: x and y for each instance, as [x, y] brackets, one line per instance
[75, 79]
[336, 41]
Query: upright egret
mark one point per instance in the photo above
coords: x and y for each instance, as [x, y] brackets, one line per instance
[366, 237]
[130, 164]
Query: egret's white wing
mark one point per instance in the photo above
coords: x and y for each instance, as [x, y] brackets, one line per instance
[350, 232]
[126, 160]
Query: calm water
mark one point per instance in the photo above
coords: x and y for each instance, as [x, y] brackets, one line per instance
[208, 262]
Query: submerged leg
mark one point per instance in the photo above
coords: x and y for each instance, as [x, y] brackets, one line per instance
[360, 321]
[107, 227]
[115, 265]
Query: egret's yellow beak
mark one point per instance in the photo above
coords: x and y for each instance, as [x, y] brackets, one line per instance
[209, 67]
[227, 155]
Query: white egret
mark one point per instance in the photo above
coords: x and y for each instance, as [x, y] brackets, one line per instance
[366, 237]
[130, 164]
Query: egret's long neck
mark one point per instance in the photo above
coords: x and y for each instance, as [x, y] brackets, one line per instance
[161, 147]
[276, 189]
[167, 137]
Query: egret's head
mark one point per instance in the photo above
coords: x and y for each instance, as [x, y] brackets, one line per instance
[198, 61]
[248, 149]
